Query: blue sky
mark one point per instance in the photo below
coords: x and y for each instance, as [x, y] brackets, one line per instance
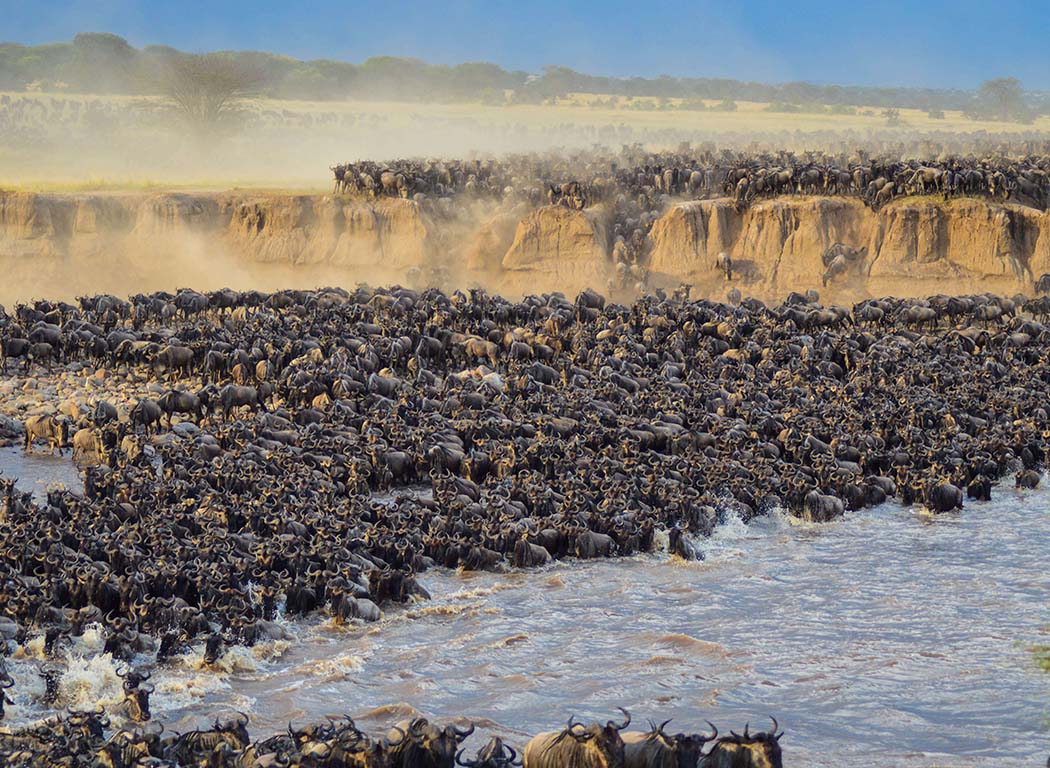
[938, 43]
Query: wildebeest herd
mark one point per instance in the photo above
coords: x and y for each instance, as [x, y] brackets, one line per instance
[80, 739]
[590, 178]
[281, 471]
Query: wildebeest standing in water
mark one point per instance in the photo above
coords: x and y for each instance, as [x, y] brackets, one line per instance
[53, 429]
[421, 744]
[656, 748]
[593, 746]
[750, 750]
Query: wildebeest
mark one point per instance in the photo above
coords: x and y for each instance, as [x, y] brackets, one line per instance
[233, 396]
[592, 746]
[749, 750]
[422, 744]
[175, 401]
[52, 429]
[146, 412]
[495, 754]
[87, 443]
[657, 749]
[186, 747]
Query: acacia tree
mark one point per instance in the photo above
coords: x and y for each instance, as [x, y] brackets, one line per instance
[208, 90]
[1003, 99]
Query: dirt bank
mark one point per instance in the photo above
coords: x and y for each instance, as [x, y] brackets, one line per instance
[130, 242]
[913, 247]
[66, 244]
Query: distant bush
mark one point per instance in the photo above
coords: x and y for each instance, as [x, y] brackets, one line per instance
[935, 114]
[693, 105]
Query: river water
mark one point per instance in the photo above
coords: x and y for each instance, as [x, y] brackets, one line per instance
[891, 637]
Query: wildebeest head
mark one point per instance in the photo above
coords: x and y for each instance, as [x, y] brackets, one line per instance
[747, 750]
[495, 754]
[236, 729]
[604, 738]
[89, 723]
[689, 746]
[137, 703]
[214, 647]
[428, 746]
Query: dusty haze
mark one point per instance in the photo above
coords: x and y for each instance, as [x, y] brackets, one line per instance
[108, 224]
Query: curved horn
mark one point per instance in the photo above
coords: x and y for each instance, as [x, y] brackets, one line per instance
[663, 725]
[746, 727]
[464, 763]
[712, 737]
[513, 756]
[463, 734]
[400, 741]
[246, 718]
[776, 725]
[626, 722]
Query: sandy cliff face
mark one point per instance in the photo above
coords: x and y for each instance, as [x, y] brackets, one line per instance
[912, 247]
[53, 244]
[392, 234]
[557, 246]
[60, 244]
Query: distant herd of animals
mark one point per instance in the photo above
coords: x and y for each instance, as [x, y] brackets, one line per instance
[586, 179]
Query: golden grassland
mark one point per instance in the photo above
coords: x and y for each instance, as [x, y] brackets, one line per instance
[595, 109]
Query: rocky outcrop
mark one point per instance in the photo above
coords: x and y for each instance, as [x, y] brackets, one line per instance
[557, 247]
[912, 247]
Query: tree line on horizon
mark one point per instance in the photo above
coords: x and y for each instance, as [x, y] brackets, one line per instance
[104, 63]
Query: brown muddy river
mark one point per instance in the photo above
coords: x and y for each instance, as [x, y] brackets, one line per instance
[887, 638]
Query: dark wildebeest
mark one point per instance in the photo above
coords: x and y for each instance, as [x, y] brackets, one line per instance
[173, 401]
[658, 749]
[51, 428]
[104, 413]
[425, 745]
[185, 748]
[146, 412]
[758, 750]
[13, 348]
[174, 359]
[495, 754]
[593, 746]
[233, 396]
